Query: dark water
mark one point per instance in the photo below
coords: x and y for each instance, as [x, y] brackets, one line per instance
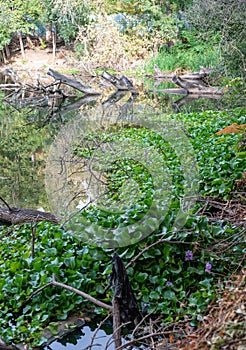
[86, 338]
[81, 339]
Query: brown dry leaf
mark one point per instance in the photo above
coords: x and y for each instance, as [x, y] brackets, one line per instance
[233, 128]
[171, 338]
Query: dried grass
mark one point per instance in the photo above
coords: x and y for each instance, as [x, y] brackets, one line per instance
[224, 326]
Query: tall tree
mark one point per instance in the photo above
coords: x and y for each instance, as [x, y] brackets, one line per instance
[6, 20]
[22, 16]
[225, 19]
[65, 17]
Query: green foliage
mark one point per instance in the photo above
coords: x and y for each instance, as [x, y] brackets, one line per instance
[21, 14]
[218, 162]
[187, 54]
[219, 165]
[5, 27]
[161, 277]
[67, 17]
[145, 6]
[55, 252]
[226, 19]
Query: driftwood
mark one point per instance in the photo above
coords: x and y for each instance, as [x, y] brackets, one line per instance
[71, 82]
[195, 83]
[159, 74]
[7, 87]
[12, 216]
[121, 84]
[173, 91]
[15, 82]
[196, 86]
[125, 306]
[185, 84]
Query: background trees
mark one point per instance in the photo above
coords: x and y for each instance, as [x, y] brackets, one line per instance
[18, 16]
[215, 29]
[223, 20]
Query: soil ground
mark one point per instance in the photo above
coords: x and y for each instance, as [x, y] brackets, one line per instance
[38, 60]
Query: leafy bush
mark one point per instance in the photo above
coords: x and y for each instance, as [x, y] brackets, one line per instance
[186, 54]
[226, 19]
[103, 45]
[172, 278]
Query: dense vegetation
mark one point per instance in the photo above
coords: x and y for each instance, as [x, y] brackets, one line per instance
[177, 277]
[182, 271]
[184, 34]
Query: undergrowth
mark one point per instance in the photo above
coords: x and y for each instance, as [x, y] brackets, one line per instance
[187, 54]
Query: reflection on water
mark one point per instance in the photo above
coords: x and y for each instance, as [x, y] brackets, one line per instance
[87, 338]
[82, 340]
[27, 126]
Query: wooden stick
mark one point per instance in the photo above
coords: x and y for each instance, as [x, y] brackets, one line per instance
[116, 323]
[79, 292]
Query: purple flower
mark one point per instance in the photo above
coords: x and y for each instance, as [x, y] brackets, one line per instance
[188, 255]
[169, 284]
[208, 267]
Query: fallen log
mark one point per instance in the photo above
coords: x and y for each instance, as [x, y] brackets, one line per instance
[121, 84]
[73, 83]
[6, 87]
[193, 76]
[173, 91]
[159, 74]
[11, 75]
[162, 77]
[186, 84]
[13, 216]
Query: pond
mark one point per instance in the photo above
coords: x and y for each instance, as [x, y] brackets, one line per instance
[28, 131]
[36, 139]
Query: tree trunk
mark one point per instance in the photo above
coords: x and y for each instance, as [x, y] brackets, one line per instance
[21, 45]
[54, 45]
[4, 56]
[29, 41]
[7, 51]
[48, 33]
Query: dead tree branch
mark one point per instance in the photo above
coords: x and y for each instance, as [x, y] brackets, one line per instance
[121, 84]
[13, 216]
[71, 82]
